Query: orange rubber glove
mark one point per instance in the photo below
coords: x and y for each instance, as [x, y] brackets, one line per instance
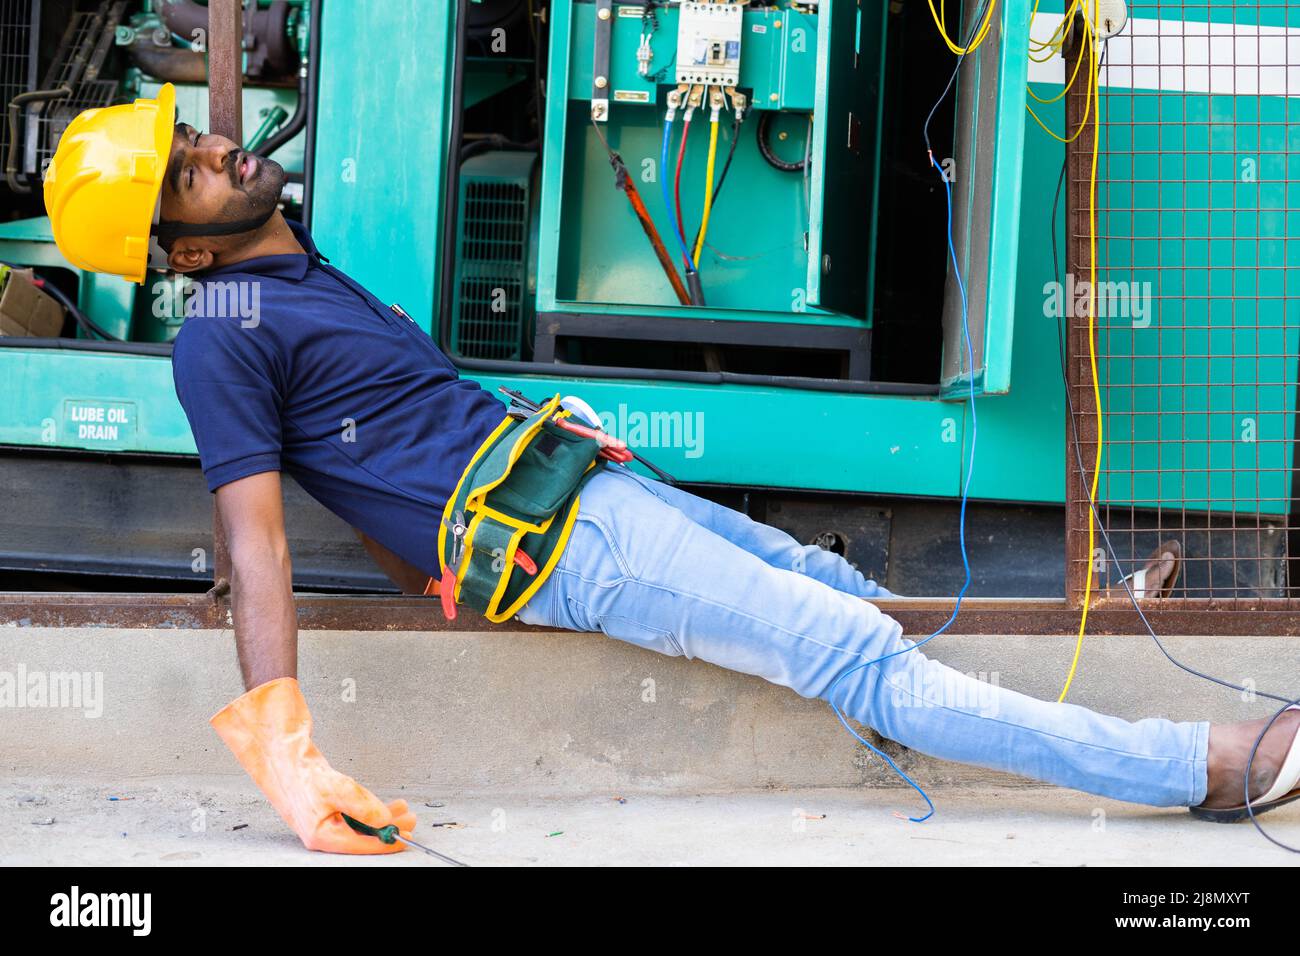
[269, 732]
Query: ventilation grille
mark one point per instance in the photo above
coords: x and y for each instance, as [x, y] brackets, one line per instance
[85, 46]
[491, 312]
[18, 28]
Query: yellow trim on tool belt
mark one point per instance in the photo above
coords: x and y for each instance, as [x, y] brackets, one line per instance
[474, 507]
[521, 442]
[543, 572]
[446, 511]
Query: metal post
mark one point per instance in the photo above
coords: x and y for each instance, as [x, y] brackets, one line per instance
[225, 118]
[225, 69]
[1078, 262]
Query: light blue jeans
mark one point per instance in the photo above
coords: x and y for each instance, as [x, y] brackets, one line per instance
[655, 566]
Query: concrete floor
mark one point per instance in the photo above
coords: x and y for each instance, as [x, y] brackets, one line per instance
[524, 734]
[180, 821]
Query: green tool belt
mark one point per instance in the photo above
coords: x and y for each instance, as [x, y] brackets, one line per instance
[511, 513]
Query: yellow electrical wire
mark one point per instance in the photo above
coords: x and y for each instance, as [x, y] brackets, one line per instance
[1088, 50]
[939, 21]
[708, 187]
[1092, 353]
[1054, 42]
[1068, 86]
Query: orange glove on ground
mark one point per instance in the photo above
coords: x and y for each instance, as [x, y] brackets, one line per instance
[269, 732]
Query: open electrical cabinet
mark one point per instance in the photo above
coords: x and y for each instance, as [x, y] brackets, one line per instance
[824, 258]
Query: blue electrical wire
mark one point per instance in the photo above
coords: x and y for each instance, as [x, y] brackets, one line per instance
[970, 467]
[663, 188]
[965, 494]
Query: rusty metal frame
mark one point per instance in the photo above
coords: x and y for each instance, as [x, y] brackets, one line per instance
[1019, 616]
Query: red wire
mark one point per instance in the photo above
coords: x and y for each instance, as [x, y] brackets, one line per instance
[677, 186]
[625, 183]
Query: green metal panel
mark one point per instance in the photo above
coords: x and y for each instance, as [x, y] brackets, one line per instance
[986, 204]
[1021, 446]
[95, 400]
[381, 146]
[1210, 372]
[774, 437]
[846, 144]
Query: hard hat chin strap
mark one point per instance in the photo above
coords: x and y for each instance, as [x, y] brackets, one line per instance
[167, 232]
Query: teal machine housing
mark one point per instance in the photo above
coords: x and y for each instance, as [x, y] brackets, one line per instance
[378, 205]
[790, 269]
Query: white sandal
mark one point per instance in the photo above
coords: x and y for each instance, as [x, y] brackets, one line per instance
[1285, 789]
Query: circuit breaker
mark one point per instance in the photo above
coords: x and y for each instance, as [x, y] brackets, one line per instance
[708, 43]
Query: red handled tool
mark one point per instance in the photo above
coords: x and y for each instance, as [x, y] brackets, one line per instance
[614, 449]
[447, 588]
[524, 561]
[522, 406]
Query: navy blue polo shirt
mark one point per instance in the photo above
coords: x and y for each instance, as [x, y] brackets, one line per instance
[285, 363]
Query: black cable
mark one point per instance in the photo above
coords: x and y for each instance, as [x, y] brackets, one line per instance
[539, 95]
[313, 96]
[80, 317]
[1077, 446]
[765, 148]
[961, 58]
[735, 138]
[61, 297]
[22, 99]
[292, 128]
[451, 180]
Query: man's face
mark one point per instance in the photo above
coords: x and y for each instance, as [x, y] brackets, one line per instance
[209, 179]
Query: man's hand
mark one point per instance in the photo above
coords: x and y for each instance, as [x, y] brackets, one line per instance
[261, 578]
[268, 729]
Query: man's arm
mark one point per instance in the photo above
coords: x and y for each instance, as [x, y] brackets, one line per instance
[261, 583]
[268, 728]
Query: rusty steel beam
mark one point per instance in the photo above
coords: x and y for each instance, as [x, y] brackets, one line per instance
[225, 118]
[1078, 262]
[226, 69]
[1031, 616]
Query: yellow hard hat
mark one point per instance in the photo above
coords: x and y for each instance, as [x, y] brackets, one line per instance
[103, 188]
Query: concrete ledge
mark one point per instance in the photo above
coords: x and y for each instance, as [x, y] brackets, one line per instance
[556, 713]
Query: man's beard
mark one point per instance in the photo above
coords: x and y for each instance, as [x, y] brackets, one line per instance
[264, 189]
[259, 196]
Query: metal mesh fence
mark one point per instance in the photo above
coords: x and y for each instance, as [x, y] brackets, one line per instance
[1197, 328]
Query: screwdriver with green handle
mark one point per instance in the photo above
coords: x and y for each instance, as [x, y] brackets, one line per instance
[390, 835]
